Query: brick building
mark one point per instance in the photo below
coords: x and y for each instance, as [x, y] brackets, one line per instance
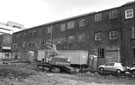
[109, 34]
[128, 33]
[105, 35]
[5, 45]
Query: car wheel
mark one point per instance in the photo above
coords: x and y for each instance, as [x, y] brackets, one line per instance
[118, 71]
[101, 69]
[133, 73]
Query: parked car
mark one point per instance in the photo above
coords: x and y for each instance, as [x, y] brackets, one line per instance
[132, 71]
[113, 67]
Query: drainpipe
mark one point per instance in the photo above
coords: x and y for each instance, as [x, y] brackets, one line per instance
[51, 32]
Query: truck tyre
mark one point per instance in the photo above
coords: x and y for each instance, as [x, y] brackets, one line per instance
[70, 70]
[55, 70]
[77, 70]
[46, 69]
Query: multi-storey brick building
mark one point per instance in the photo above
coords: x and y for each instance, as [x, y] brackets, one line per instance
[105, 35]
[5, 45]
[128, 33]
[109, 34]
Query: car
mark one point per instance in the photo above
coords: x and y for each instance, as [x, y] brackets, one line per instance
[132, 71]
[115, 67]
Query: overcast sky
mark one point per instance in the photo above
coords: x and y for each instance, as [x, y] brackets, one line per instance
[36, 12]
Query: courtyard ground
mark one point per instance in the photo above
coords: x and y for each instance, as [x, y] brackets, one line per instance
[27, 74]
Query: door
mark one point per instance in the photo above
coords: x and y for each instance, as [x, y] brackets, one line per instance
[134, 55]
[41, 55]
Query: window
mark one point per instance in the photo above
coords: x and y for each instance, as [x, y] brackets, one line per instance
[110, 64]
[33, 44]
[7, 39]
[49, 29]
[70, 25]
[71, 39]
[24, 44]
[82, 23]
[24, 34]
[133, 32]
[30, 44]
[34, 32]
[98, 36]
[63, 27]
[113, 35]
[113, 14]
[15, 45]
[134, 55]
[18, 35]
[98, 17]
[81, 38]
[101, 52]
[43, 42]
[29, 33]
[128, 13]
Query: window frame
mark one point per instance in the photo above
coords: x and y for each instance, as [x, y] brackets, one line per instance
[101, 52]
[15, 45]
[63, 27]
[113, 35]
[34, 44]
[71, 39]
[98, 17]
[113, 14]
[70, 24]
[49, 29]
[82, 23]
[29, 33]
[98, 36]
[34, 32]
[81, 37]
[127, 13]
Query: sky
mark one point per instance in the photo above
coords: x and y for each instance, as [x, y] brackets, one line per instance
[32, 13]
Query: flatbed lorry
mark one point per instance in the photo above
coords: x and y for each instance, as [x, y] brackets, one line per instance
[69, 61]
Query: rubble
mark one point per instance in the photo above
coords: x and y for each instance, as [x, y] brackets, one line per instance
[27, 74]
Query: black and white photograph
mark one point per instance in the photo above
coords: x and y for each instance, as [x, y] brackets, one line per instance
[67, 42]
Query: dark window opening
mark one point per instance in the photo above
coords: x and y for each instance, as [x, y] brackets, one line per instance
[6, 50]
[101, 52]
[134, 54]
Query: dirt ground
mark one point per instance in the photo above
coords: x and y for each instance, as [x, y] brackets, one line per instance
[27, 75]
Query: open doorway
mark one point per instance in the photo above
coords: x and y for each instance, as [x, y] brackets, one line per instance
[134, 55]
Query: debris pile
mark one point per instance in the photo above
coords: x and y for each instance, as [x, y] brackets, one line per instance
[14, 73]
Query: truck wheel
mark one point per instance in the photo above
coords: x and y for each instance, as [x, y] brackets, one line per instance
[46, 69]
[55, 70]
[71, 70]
[77, 70]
